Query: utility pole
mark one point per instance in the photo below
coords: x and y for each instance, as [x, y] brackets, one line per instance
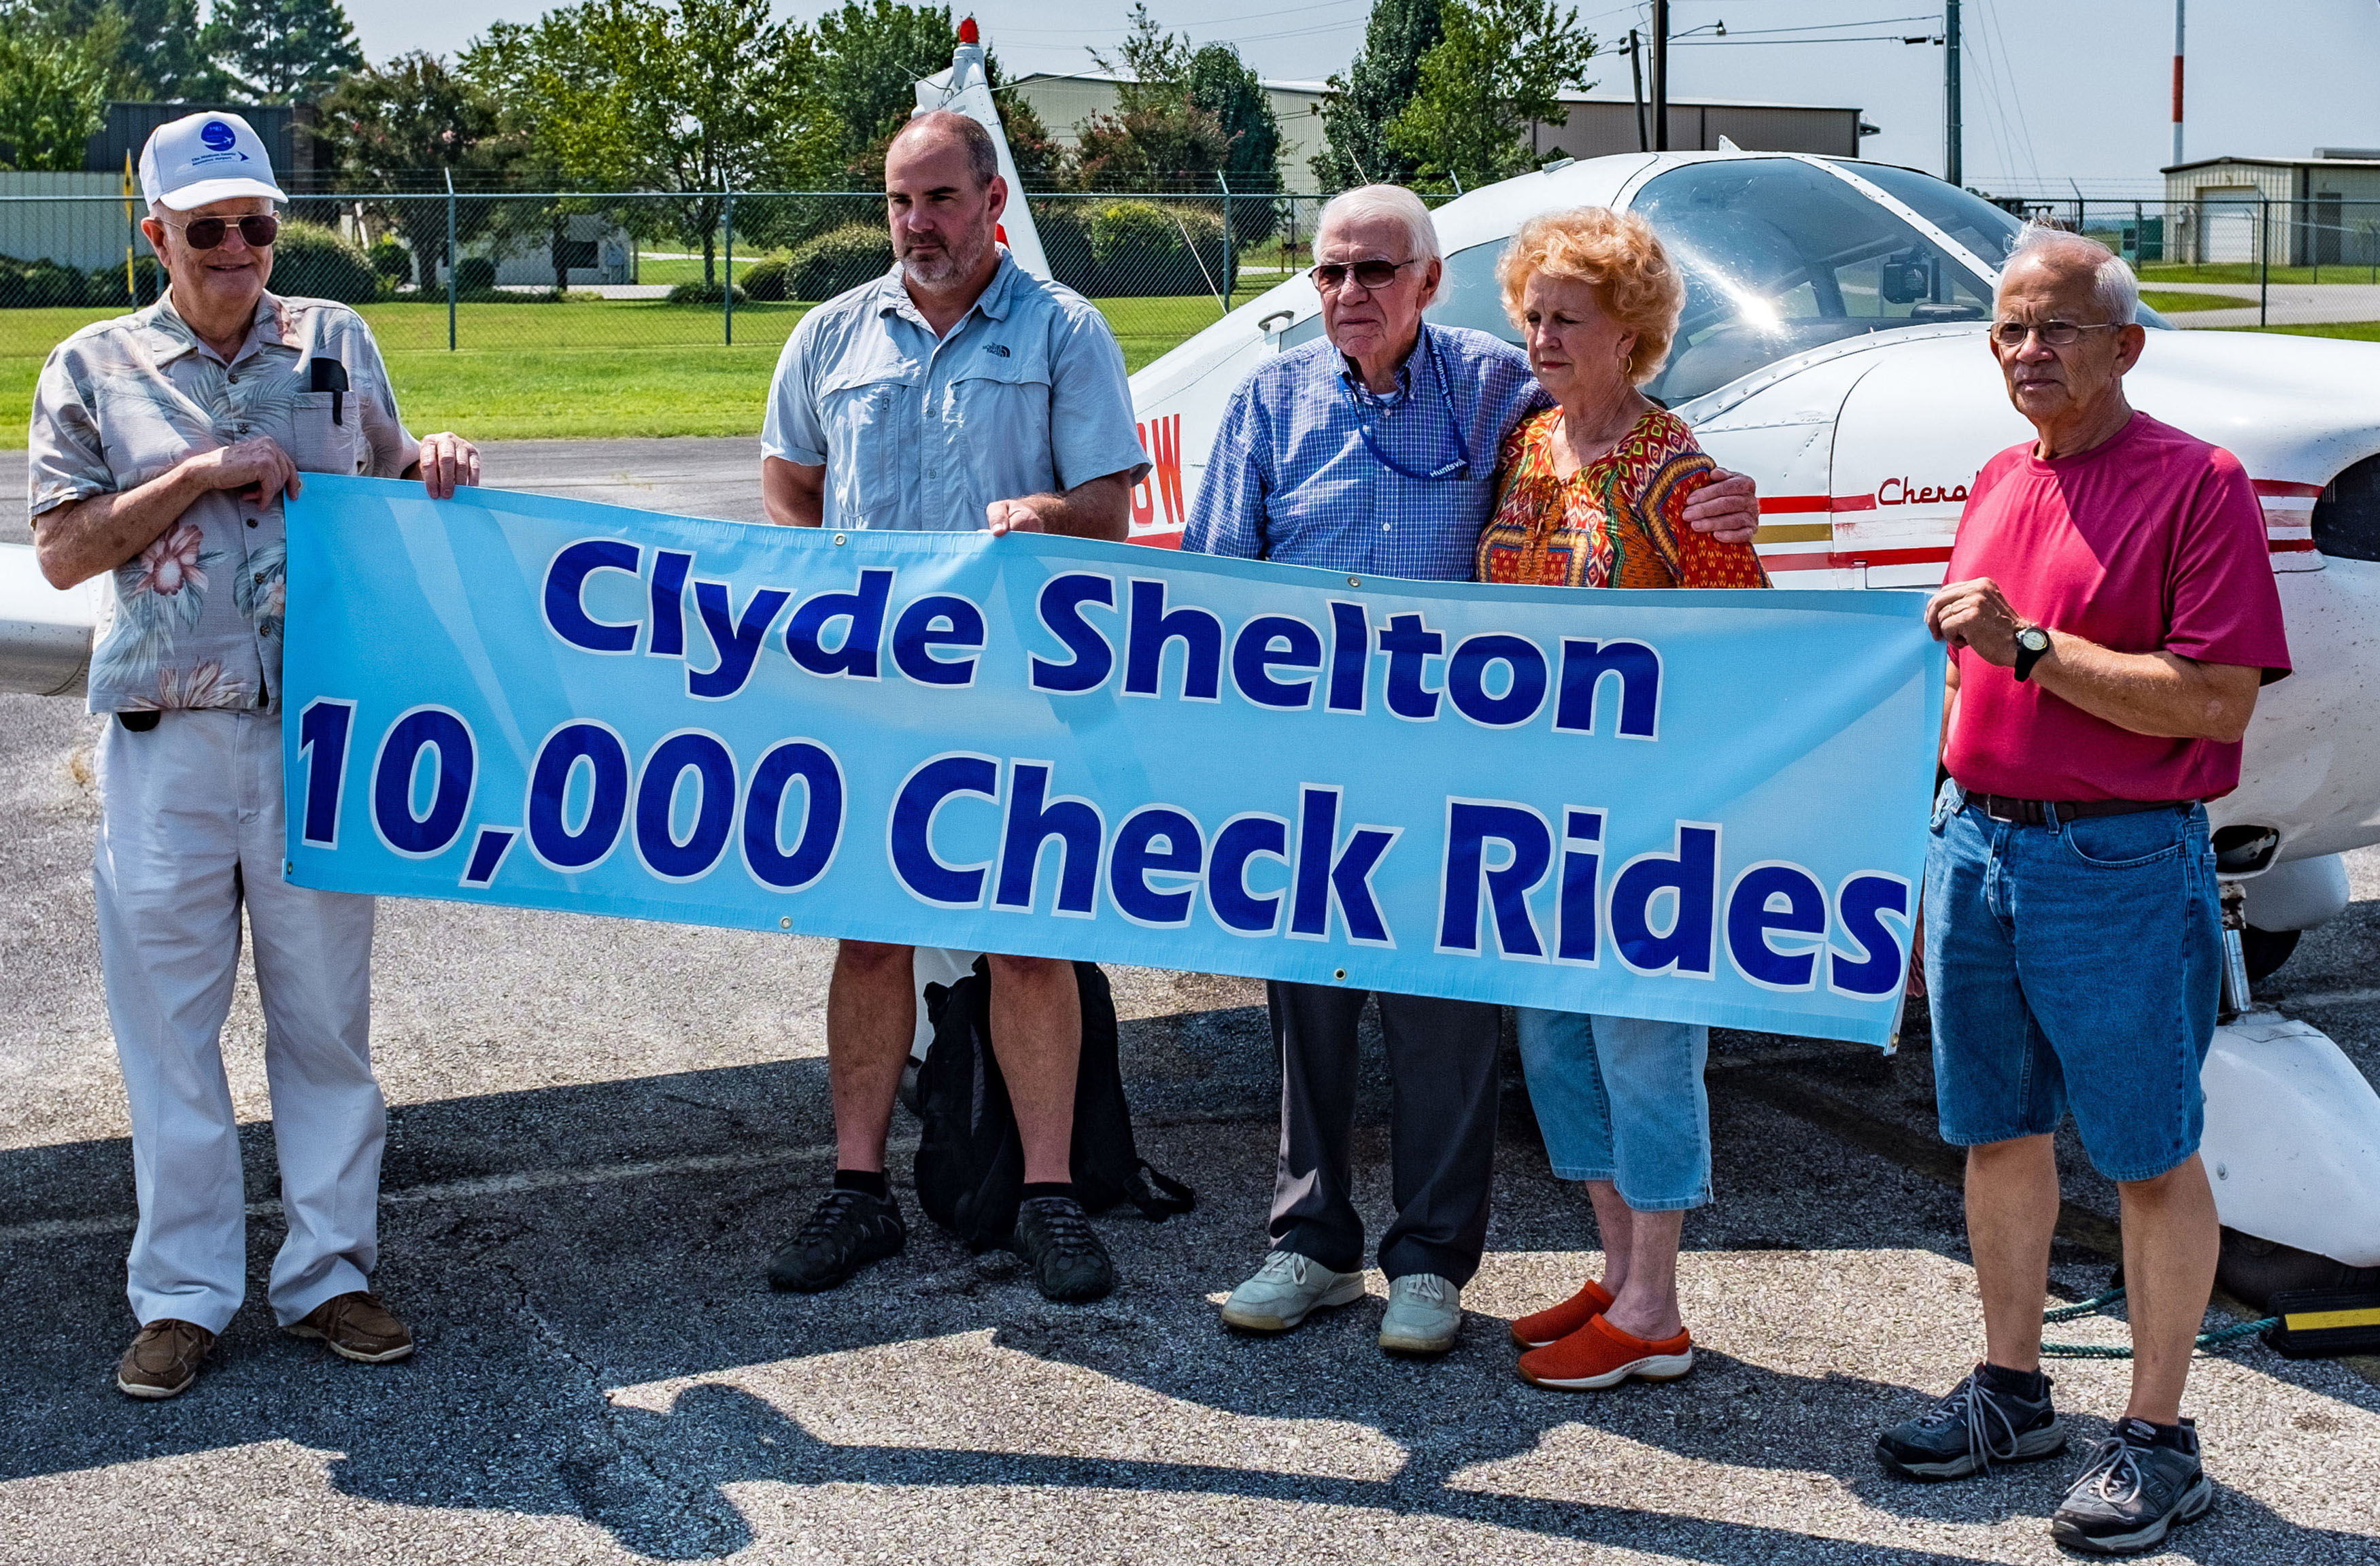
[2177, 80]
[1660, 76]
[1953, 155]
[1635, 72]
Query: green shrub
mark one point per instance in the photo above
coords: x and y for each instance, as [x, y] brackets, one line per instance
[764, 279]
[475, 275]
[1138, 250]
[31, 284]
[392, 261]
[1066, 241]
[107, 284]
[838, 260]
[313, 262]
[698, 293]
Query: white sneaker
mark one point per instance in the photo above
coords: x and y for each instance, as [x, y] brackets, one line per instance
[1424, 1311]
[1286, 1290]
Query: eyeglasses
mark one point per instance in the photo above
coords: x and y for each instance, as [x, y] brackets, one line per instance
[1331, 275]
[206, 232]
[2052, 334]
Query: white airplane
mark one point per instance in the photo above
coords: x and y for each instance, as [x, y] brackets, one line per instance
[1832, 347]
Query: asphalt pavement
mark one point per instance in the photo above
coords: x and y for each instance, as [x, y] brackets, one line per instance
[600, 1128]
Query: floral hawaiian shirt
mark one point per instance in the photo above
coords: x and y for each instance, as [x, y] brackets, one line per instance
[197, 612]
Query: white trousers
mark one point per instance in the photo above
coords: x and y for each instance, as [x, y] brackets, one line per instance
[190, 827]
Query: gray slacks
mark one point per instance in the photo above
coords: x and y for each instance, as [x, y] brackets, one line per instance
[1441, 1128]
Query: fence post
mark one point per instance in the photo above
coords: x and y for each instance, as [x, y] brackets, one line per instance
[2264, 259]
[727, 286]
[454, 260]
[1230, 246]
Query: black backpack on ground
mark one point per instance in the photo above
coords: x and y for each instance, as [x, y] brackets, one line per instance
[971, 1159]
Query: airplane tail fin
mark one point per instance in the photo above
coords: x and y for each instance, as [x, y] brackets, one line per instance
[964, 89]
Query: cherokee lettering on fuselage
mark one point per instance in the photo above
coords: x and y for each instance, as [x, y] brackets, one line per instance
[1901, 492]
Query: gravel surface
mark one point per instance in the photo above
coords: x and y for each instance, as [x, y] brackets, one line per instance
[600, 1129]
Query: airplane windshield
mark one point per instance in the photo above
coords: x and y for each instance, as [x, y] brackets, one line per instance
[1778, 257]
[1988, 231]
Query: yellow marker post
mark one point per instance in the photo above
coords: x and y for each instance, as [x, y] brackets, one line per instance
[131, 227]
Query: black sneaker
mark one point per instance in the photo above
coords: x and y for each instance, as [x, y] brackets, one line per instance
[1970, 1430]
[1056, 1240]
[2131, 1493]
[849, 1230]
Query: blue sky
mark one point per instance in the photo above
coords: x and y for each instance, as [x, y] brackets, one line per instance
[2056, 89]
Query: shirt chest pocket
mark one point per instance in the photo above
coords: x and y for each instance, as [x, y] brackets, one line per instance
[324, 437]
[869, 416]
[998, 394]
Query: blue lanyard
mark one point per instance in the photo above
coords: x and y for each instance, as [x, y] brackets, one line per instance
[1457, 471]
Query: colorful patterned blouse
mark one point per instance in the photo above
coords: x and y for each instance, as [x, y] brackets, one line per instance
[1618, 522]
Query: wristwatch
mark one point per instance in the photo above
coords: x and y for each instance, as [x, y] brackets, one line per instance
[2032, 644]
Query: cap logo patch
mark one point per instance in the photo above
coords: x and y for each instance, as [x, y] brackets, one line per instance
[217, 135]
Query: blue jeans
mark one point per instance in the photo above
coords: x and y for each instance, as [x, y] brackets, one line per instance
[2073, 966]
[1619, 1099]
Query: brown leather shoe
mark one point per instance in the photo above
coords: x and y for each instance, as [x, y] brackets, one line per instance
[164, 1359]
[357, 1327]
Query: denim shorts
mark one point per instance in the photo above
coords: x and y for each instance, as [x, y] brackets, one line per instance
[1622, 1100]
[2073, 966]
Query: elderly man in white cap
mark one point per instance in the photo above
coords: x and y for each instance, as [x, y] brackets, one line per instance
[163, 443]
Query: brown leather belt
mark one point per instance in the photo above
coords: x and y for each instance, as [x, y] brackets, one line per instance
[2036, 812]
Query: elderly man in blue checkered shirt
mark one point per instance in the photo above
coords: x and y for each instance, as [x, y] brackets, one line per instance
[1374, 452]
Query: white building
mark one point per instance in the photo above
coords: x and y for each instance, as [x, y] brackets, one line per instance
[2321, 211]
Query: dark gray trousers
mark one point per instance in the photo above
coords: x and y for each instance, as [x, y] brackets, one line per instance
[1441, 1128]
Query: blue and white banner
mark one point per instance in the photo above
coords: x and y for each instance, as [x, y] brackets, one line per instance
[1708, 806]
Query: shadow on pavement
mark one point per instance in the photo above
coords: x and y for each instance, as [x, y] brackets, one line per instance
[555, 1246]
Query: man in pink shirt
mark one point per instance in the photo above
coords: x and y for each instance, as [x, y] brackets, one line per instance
[2111, 615]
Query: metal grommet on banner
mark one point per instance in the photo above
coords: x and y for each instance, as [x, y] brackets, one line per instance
[1339, 973]
[1355, 581]
[838, 540]
[785, 923]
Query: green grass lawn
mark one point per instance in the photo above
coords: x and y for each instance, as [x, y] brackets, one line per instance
[2153, 272]
[2352, 331]
[584, 368]
[2167, 303]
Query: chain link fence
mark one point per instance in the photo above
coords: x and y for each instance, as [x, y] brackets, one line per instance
[2236, 258]
[575, 271]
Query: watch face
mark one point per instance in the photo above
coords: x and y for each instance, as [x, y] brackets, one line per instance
[2033, 638]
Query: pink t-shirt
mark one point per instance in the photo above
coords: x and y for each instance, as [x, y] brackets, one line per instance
[2154, 542]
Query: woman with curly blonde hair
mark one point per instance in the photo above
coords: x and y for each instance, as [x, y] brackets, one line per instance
[1593, 493]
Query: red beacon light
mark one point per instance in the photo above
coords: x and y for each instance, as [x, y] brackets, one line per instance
[968, 33]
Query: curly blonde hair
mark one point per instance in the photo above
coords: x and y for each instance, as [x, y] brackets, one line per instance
[1620, 257]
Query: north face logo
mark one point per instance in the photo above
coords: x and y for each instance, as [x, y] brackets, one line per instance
[999, 348]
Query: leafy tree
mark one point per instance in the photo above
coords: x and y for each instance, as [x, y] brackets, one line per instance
[869, 57]
[1218, 83]
[1501, 63]
[283, 51]
[150, 49]
[52, 94]
[691, 99]
[1183, 115]
[404, 126]
[1378, 83]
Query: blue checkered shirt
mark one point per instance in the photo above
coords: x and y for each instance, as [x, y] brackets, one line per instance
[1292, 479]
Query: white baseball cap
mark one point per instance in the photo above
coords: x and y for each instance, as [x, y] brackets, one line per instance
[202, 158]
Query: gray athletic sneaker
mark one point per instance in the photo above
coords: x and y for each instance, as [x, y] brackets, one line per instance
[2131, 1492]
[1286, 1290]
[1972, 1429]
[1424, 1315]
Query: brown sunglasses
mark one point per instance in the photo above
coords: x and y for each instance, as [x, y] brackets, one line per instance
[206, 232]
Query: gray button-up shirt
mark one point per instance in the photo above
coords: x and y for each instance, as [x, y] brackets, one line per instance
[1026, 395]
[197, 612]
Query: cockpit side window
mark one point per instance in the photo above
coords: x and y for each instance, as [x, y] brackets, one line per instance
[1780, 258]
